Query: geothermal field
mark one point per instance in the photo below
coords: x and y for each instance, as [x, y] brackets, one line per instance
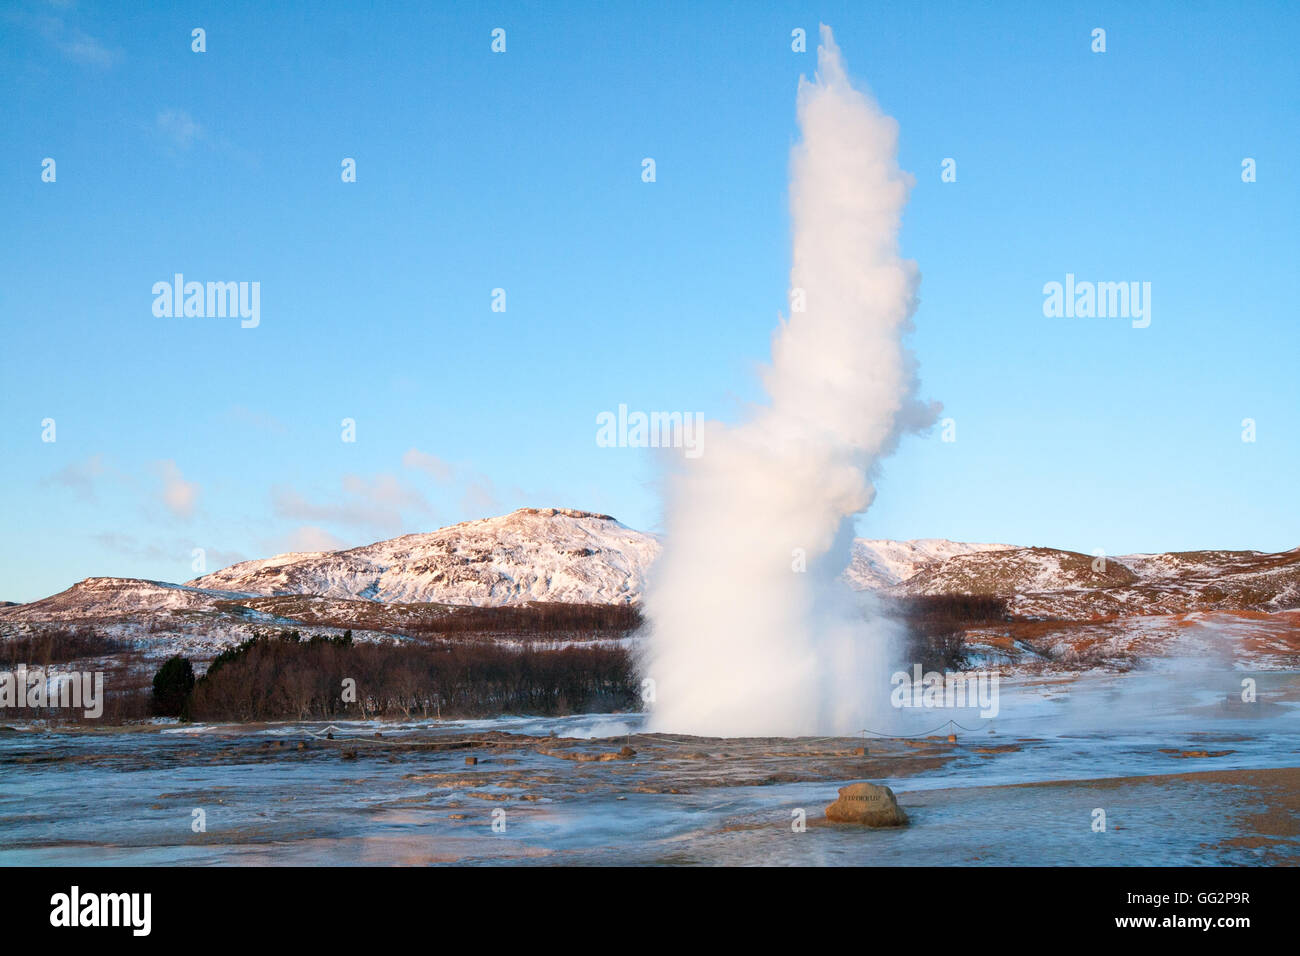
[1183, 775]
[939, 369]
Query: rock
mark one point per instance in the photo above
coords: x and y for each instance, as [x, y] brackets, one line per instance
[470, 761]
[868, 804]
[627, 752]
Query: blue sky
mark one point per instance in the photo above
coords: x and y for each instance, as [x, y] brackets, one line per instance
[522, 171]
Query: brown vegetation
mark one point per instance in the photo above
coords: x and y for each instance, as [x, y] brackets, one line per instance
[124, 685]
[56, 646]
[541, 621]
[936, 625]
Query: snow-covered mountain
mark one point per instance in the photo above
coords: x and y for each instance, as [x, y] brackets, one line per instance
[561, 555]
[102, 598]
[533, 554]
[881, 563]
[548, 554]
[1049, 583]
[569, 556]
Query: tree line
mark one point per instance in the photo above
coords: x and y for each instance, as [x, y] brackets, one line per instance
[287, 677]
[936, 624]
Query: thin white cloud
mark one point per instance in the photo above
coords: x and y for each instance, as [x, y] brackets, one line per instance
[178, 495]
[431, 465]
[387, 491]
[72, 42]
[177, 552]
[309, 538]
[131, 546]
[80, 476]
[375, 505]
[84, 48]
[479, 494]
[480, 499]
[178, 128]
[377, 519]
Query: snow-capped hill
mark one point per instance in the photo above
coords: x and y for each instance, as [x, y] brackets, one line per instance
[537, 554]
[1180, 565]
[412, 583]
[1018, 571]
[1045, 582]
[117, 597]
[881, 563]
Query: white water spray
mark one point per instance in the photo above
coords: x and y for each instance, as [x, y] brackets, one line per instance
[743, 640]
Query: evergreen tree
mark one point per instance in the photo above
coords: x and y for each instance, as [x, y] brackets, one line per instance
[171, 686]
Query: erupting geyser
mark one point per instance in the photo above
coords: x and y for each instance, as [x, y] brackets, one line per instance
[751, 631]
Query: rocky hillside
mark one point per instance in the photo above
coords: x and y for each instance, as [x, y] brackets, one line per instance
[106, 598]
[881, 563]
[534, 554]
[1047, 583]
[548, 557]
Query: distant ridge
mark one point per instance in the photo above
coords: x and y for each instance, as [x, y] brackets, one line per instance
[566, 555]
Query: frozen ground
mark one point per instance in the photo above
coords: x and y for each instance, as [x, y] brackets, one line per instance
[1186, 772]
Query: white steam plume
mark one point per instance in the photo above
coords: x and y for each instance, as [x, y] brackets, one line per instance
[741, 644]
